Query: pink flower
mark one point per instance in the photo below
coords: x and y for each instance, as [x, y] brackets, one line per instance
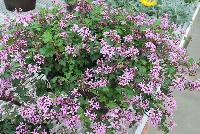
[153, 57]
[127, 52]
[194, 85]
[171, 125]
[107, 50]
[155, 72]
[160, 95]
[155, 117]
[35, 132]
[33, 69]
[146, 88]
[128, 38]
[102, 68]
[39, 59]
[18, 75]
[84, 32]
[70, 50]
[63, 35]
[170, 104]
[21, 129]
[44, 103]
[99, 128]
[4, 39]
[173, 57]
[112, 34]
[150, 21]
[93, 104]
[69, 16]
[88, 74]
[73, 123]
[75, 28]
[150, 46]
[90, 115]
[62, 24]
[29, 112]
[179, 83]
[127, 77]
[75, 93]
[98, 83]
[98, 2]
[164, 22]
[149, 33]
[134, 100]
[144, 104]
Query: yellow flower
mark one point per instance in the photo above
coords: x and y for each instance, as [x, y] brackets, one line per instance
[148, 3]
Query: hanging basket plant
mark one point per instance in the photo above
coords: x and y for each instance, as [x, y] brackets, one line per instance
[91, 70]
[20, 5]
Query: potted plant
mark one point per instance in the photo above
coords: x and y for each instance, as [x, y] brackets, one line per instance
[20, 5]
[90, 70]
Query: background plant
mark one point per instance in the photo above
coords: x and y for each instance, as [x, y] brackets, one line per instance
[86, 68]
[180, 11]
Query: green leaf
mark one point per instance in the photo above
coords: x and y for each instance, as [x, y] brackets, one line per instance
[144, 62]
[47, 50]
[80, 111]
[47, 37]
[157, 23]
[171, 70]
[35, 26]
[191, 61]
[1, 47]
[111, 105]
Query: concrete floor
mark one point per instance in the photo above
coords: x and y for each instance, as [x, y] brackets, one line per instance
[187, 115]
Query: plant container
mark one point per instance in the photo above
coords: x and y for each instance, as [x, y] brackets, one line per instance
[20, 5]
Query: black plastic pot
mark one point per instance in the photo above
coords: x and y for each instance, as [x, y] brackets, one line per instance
[25, 5]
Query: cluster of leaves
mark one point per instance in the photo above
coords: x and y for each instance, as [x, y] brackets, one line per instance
[84, 62]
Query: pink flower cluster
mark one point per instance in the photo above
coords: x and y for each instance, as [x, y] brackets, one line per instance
[45, 110]
[39, 59]
[84, 32]
[127, 76]
[89, 112]
[112, 34]
[99, 128]
[155, 117]
[147, 88]
[70, 50]
[179, 83]
[150, 46]
[128, 38]
[119, 119]
[155, 72]
[102, 68]
[33, 68]
[127, 52]
[194, 85]
[170, 105]
[29, 112]
[107, 51]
